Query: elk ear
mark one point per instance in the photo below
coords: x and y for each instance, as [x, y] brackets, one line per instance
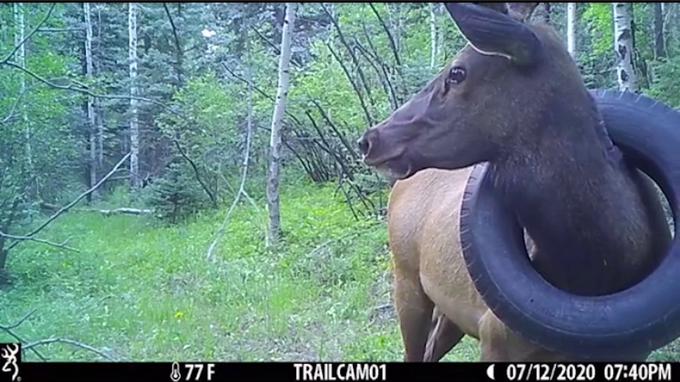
[494, 33]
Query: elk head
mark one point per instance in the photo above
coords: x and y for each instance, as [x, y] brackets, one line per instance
[483, 102]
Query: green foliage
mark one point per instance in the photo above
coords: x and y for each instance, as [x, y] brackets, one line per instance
[176, 194]
[146, 292]
[206, 121]
[37, 136]
[598, 19]
[667, 86]
[595, 49]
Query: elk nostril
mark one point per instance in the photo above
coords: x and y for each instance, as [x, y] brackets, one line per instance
[364, 145]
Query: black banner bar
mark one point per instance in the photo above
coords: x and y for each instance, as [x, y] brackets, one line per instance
[337, 372]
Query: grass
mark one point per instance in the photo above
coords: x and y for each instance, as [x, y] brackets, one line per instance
[141, 290]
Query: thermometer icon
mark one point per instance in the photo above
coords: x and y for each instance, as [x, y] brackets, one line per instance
[174, 374]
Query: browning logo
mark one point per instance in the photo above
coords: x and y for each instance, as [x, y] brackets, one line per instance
[10, 357]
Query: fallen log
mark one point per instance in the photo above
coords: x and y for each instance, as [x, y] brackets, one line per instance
[122, 210]
[106, 212]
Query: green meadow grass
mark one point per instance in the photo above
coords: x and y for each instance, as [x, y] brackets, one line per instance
[142, 290]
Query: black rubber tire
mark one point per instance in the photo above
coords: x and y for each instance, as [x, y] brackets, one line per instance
[618, 326]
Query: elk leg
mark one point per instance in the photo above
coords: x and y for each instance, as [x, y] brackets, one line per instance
[414, 309]
[443, 337]
[493, 339]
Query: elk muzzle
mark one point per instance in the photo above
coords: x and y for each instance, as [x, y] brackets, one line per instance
[383, 149]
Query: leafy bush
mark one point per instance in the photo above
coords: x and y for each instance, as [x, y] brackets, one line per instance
[177, 194]
[666, 86]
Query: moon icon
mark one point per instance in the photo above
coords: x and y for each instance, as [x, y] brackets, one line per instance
[490, 372]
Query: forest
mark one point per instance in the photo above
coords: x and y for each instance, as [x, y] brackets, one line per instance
[182, 180]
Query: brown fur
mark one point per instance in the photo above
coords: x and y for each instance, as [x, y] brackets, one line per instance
[596, 223]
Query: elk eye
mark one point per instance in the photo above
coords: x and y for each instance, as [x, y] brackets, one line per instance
[456, 75]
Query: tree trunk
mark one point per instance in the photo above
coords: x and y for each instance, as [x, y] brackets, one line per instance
[3, 255]
[135, 179]
[89, 75]
[400, 25]
[99, 114]
[659, 43]
[20, 59]
[571, 29]
[99, 119]
[442, 31]
[330, 40]
[179, 52]
[394, 20]
[433, 35]
[277, 119]
[623, 46]
[668, 10]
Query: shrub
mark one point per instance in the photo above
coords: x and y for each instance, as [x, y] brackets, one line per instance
[177, 194]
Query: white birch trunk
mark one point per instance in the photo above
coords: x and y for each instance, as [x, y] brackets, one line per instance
[89, 74]
[441, 35]
[134, 123]
[100, 117]
[100, 134]
[20, 59]
[277, 119]
[571, 29]
[20, 55]
[433, 36]
[623, 46]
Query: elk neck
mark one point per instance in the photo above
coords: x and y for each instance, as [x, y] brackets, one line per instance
[578, 199]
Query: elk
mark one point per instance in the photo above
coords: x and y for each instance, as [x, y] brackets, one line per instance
[513, 100]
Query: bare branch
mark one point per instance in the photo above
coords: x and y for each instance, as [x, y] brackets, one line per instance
[121, 210]
[245, 193]
[293, 60]
[60, 30]
[384, 65]
[265, 39]
[32, 345]
[178, 46]
[343, 139]
[174, 28]
[42, 241]
[353, 56]
[9, 330]
[22, 42]
[385, 82]
[197, 174]
[389, 35]
[240, 78]
[83, 90]
[328, 148]
[348, 200]
[18, 323]
[14, 107]
[369, 119]
[78, 344]
[260, 91]
[244, 173]
[74, 202]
